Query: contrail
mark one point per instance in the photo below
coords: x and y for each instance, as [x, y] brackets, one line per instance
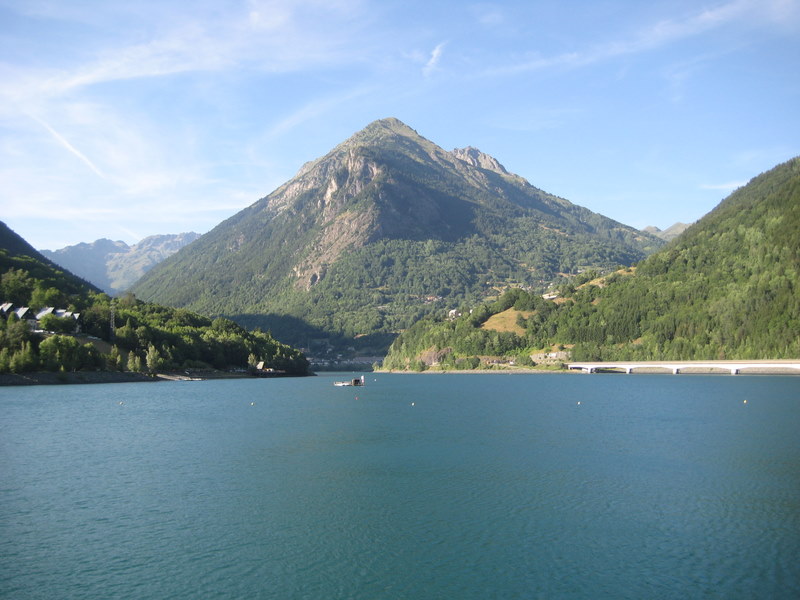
[69, 146]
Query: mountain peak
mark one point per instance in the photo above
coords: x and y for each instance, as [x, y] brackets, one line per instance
[380, 231]
[390, 124]
[669, 233]
[476, 158]
[376, 133]
[381, 130]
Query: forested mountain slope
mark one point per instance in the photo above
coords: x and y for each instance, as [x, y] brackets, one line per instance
[384, 229]
[727, 288]
[26, 271]
[147, 337]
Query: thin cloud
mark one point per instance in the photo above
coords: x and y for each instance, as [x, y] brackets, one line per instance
[274, 37]
[433, 61]
[313, 110]
[650, 38]
[487, 15]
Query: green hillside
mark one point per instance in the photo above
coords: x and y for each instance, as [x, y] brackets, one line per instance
[26, 273]
[383, 230]
[147, 337]
[727, 288]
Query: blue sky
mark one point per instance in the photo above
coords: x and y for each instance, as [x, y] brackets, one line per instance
[127, 119]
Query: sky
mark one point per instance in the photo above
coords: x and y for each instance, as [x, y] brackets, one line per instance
[127, 119]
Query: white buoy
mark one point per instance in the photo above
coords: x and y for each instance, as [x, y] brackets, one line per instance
[252, 404]
[579, 402]
[412, 404]
[745, 402]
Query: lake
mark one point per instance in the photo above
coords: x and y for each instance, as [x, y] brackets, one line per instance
[416, 486]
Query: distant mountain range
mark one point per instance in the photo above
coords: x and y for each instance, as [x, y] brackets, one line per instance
[670, 233]
[384, 229]
[115, 266]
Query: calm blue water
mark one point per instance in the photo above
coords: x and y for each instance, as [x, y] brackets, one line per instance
[488, 486]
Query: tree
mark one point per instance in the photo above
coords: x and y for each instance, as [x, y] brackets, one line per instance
[222, 324]
[17, 332]
[23, 359]
[154, 360]
[59, 351]
[525, 361]
[126, 337]
[57, 324]
[134, 363]
[5, 360]
[127, 300]
[114, 359]
[16, 286]
[50, 296]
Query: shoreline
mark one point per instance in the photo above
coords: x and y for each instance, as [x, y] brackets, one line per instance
[92, 377]
[77, 377]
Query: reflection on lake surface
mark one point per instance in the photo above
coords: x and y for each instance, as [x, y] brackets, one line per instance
[415, 486]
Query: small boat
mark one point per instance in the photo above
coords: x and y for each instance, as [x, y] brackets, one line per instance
[357, 382]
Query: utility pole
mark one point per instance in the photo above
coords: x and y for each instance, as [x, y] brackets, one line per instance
[112, 324]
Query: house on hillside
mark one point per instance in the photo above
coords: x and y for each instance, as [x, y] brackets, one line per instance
[34, 318]
[44, 312]
[23, 313]
[63, 313]
[60, 313]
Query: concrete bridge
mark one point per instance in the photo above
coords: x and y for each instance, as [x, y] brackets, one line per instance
[734, 367]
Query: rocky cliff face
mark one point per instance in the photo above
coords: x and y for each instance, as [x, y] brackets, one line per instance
[476, 158]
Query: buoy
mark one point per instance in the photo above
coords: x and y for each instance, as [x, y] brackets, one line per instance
[579, 402]
[121, 402]
[252, 404]
[745, 402]
[412, 404]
